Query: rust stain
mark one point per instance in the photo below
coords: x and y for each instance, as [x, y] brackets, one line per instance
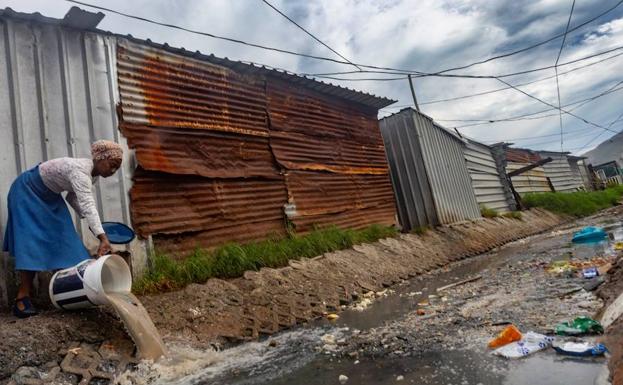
[521, 155]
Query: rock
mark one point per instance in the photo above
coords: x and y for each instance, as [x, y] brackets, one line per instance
[272, 343]
[342, 378]
[400, 378]
[421, 312]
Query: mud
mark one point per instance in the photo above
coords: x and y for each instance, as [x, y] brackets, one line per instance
[614, 334]
[138, 324]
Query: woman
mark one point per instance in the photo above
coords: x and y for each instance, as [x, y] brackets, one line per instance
[40, 233]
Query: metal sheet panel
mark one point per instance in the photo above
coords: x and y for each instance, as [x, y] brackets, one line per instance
[174, 204]
[57, 95]
[532, 181]
[414, 198]
[559, 172]
[485, 177]
[447, 171]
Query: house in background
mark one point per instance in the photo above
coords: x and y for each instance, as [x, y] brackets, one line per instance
[607, 159]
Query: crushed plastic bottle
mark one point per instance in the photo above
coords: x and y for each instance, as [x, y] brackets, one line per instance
[506, 336]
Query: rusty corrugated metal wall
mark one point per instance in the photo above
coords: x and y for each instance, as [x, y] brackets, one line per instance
[222, 153]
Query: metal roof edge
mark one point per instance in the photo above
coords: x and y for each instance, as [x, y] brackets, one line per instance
[437, 125]
[334, 90]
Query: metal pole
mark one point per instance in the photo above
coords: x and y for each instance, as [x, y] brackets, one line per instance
[413, 93]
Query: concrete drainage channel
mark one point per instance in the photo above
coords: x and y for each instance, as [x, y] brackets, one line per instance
[386, 262]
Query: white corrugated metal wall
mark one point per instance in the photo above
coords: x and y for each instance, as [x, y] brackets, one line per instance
[532, 181]
[485, 177]
[58, 92]
[559, 172]
[447, 171]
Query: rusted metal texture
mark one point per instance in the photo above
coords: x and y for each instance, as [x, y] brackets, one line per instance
[165, 90]
[334, 156]
[520, 155]
[531, 181]
[213, 144]
[214, 154]
[323, 196]
[172, 204]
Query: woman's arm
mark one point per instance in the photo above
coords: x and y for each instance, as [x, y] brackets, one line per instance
[81, 185]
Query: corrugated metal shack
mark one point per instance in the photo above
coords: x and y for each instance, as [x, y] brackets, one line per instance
[560, 173]
[428, 171]
[531, 181]
[224, 151]
[485, 175]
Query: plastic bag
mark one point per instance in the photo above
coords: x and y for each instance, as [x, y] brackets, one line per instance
[580, 325]
[506, 336]
[580, 349]
[530, 343]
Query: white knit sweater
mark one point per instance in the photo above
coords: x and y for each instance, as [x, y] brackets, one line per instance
[74, 176]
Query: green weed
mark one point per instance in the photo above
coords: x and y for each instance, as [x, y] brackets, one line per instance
[420, 230]
[578, 204]
[513, 214]
[232, 260]
[487, 212]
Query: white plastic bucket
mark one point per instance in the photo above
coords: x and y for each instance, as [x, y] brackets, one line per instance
[86, 284]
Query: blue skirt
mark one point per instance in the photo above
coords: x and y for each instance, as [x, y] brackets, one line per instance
[40, 233]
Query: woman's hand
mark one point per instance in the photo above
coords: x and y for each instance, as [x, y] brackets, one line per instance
[105, 247]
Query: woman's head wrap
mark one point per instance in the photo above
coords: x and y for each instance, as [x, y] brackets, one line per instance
[105, 149]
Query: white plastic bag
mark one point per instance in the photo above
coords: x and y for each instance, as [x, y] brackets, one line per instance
[531, 342]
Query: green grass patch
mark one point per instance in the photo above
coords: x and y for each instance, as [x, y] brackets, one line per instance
[578, 204]
[513, 215]
[232, 260]
[487, 212]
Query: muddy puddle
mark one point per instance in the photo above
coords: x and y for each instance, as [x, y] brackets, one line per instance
[301, 357]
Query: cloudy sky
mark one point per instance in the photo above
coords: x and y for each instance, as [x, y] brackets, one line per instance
[419, 35]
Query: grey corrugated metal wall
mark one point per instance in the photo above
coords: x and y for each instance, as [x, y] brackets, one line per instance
[559, 172]
[58, 92]
[485, 177]
[447, 171]
[533, 181]
[414, 198]
[430, 160]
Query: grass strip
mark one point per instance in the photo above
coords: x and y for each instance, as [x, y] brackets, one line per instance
[577, 204]
[232, 260]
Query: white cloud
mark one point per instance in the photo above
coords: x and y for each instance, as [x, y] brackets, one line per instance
[426, 35]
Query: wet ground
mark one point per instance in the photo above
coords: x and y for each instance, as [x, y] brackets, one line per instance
[414, 334]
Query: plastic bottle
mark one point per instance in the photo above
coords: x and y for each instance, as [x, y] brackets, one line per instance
[506, 336]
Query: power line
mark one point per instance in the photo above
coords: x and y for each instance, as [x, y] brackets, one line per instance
[284, 51]
[601, 133]
[537, 44]
[506, 75]
[553, 106]
[530, 114]
[562, 45]
[309, 33]
[503, 88]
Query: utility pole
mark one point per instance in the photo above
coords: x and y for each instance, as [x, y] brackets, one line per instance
[413, 93]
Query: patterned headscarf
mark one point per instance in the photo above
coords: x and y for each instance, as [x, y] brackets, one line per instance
[105, 149]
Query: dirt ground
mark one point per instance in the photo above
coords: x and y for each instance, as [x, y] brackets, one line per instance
[614, 335]
[219, 313]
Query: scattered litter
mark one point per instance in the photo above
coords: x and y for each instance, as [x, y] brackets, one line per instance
[593, 284]
[459, 283]
[580, 349]
[618, 246]
[506, 336]
[603, 264]
[328, 339]
[589, 234]
[530, 343]
[421, 312]
[423, 303]
[400, 378]
[590, 272]
[342, 378]
[580, 325]
[332, 317]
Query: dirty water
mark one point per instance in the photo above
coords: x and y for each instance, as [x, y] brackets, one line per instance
[139, 325]
[298, 357]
